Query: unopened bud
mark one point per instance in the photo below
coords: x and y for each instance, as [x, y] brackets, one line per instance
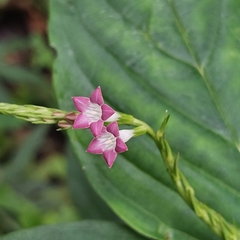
[70, 116]
[64, 125]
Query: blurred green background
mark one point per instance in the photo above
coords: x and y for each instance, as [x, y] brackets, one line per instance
[33, 168]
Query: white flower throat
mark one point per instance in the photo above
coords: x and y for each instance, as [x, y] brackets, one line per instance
[94, 112]
[108, 140]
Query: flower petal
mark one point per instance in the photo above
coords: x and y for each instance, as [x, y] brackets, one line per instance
[81, 103]
[81, 121]
[107, 112]
[120, 146]
[95, 147]
[96, 96]
[96, 127]
[110, 156]
[113, 128]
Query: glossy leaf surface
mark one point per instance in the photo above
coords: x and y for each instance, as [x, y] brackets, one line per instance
[149, 57]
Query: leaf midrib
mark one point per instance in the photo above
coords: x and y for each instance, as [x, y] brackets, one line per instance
[200, 68]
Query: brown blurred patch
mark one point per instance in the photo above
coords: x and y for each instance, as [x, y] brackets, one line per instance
[20, 19]
[23, 17]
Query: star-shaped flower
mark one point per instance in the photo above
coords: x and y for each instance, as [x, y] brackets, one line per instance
[110, 142]
[93, 112]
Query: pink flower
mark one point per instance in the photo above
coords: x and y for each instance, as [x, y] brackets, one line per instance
[93, 112]
[110, 142]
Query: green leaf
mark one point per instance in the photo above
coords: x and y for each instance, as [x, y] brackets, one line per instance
[27, 213]
[85, 230]
[24, 154]
[149, 57]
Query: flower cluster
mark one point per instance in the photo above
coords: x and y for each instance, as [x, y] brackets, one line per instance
[93, 113]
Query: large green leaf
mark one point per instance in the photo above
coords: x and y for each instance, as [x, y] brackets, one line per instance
[149, 57]
[85, 230]
[28, 215]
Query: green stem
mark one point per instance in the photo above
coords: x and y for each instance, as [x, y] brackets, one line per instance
[127, 119]
[213, 219]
